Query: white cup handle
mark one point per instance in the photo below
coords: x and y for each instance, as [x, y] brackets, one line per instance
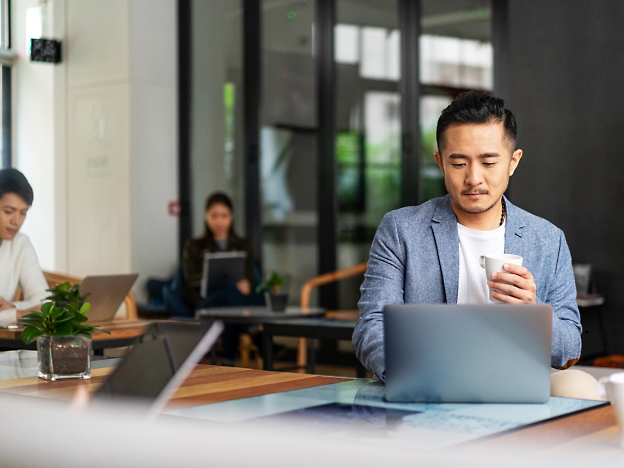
[602, 387]
[482, 261]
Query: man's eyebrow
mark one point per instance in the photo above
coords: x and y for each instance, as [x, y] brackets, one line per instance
[463, 156]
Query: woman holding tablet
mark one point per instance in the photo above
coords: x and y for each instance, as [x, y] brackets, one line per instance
[18, 261]
[219, 236]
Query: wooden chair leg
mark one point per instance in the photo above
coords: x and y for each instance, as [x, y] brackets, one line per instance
[302, 357]
[244, 347]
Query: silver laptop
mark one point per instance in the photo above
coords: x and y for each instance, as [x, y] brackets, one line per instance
[158, 364]
[449, 353]
[106, 294]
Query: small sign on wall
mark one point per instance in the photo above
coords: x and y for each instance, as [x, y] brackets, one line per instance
[174, 208]
[45, 50]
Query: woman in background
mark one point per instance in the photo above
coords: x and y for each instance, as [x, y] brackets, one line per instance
[18, 261]
[219, 236]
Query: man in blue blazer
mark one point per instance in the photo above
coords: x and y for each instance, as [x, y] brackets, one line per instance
[430, 253]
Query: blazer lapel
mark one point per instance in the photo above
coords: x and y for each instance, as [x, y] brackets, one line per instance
[514, 227]
[444, 226]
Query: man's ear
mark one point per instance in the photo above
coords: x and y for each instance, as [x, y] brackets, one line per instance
[515, 160]
[438, 160]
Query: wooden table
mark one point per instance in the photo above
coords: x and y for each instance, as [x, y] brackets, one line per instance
[206, 384]
[593, 429]
[122, 333]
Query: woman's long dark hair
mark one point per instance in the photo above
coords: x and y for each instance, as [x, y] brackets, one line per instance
[208, 238]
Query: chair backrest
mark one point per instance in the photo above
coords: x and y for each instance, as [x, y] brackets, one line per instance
[54, 279]
[337, 275]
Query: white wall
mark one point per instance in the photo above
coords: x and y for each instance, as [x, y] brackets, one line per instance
[36, 114]
[97, 136]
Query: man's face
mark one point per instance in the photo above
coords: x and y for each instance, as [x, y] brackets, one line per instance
[476, 161]
[13, 211]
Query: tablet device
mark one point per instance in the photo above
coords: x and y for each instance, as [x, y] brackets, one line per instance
[159, 363]
[450, 353]
[222, 269]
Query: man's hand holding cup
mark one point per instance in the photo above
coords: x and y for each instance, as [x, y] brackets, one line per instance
[509, 282]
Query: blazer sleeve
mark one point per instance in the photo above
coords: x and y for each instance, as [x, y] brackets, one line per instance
[31, 278]
[383, 284]
[566, 332]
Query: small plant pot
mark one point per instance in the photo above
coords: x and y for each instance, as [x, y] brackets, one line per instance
[276, 302]
[64, 357]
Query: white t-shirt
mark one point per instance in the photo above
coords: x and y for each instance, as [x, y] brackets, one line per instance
[473, 287]
[19, 267]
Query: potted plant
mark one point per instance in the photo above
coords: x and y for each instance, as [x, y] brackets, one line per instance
[66, 293]
[63, 337]
[276, 299]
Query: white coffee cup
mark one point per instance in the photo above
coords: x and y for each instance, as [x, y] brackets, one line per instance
[494, 264]
[612, 388]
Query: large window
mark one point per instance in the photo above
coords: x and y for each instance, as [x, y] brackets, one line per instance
[367, 46]
[455, 56]
[374, 123]
[216, 147]
[288, 139]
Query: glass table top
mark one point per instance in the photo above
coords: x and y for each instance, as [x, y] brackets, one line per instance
[23, 363]
[356, 409]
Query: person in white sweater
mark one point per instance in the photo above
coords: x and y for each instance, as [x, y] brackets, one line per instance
[18, 261]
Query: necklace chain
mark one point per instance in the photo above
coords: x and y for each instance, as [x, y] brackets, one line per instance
[504, 212]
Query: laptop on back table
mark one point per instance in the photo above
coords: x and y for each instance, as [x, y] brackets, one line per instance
[106, 293]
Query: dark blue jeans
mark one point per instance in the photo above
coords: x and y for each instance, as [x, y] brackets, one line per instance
[230, 296]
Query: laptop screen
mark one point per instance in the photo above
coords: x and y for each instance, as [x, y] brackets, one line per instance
[153, 362]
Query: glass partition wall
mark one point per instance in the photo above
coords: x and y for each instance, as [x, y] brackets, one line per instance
[288, 142]
[216, 108]
[450, 51]
[455, 56]
[367, 45]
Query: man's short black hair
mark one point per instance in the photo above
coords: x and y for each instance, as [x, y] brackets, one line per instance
[476, 107]
[13, 181]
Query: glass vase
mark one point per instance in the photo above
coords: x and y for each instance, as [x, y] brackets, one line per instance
[64, 357]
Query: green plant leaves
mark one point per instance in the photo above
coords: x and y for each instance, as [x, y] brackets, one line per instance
[79, 318]
[64, 329]
[66, 293]
[30, 334]
[272, 282]
[58, 319]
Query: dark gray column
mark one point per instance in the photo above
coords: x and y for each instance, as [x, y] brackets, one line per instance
[185, 226]
[326, 116]
[252, 72]
[409, 86]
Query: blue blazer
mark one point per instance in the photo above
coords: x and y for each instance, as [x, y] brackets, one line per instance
[414, 258]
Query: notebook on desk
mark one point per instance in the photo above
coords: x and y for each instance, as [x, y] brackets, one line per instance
[449, 353]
